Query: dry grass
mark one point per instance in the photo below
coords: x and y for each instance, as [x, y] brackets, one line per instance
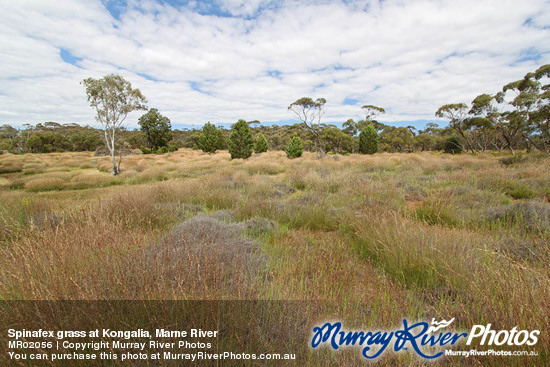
[391, 235]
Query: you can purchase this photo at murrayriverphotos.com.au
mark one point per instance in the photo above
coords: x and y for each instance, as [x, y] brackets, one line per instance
[275, 183]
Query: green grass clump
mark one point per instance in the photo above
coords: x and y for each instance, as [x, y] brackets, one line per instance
[436, 213]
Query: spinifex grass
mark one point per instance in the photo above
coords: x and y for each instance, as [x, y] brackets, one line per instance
[368, 240]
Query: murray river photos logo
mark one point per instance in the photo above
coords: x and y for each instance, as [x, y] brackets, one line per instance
[427, 340]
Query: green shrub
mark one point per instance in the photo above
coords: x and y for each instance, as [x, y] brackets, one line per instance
[452, 145]
[145, 150]
[295, 147]
[435, 213]
[261, 144]
[157, 129]
[368, 140]
[241, 141]
[86, 141]
[162, 150]
[521, 191]
[209, 139]
[513, 160]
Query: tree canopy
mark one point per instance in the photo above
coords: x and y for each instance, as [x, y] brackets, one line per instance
[157, 129]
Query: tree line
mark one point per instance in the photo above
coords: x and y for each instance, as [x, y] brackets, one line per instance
[50, 137]
[514, 118]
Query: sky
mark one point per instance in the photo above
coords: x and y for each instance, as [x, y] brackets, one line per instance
[222, 60]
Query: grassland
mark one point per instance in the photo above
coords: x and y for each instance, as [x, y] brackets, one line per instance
[378, 237]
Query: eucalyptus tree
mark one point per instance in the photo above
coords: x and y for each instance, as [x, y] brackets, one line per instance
[372, 112]
[113, 98]
[458, 117]
[541, 116]
[311, 112]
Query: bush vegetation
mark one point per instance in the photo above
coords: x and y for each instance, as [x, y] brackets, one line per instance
[368, 140]
[261, 144]
[241, 142]
[295, 147]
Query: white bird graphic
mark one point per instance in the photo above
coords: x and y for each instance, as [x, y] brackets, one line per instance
[439, 325]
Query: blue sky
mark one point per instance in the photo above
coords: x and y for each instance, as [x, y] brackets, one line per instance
[221, 60]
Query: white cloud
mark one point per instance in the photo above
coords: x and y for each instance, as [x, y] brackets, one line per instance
[408, 57]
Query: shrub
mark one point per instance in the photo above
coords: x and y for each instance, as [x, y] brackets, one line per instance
[86, 141]
[368, 140]
[162, 150]
[157, 129]
[521, 191]
[435, 213]
[513, 160]
[452, 145]
[209, 138]
[240, 140]
[47, 142]
[532, 216]
[295, 147]
[145, 150]
[261, 144]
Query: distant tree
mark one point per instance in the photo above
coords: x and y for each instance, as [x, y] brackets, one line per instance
[209, 139]
[452, 145]
[241, 141]
[335, 140]
[295, 147]
[157, 129]
[368, 140]
[136, 140]
[261, 144]
[350, 127]
[47, 142]
[113, 98]
[191, 139]
[425, 141]
[459, 121]
[86, 141]
[222, 139]
[540, 117]
[372, 112]
[9, 138]
[397, 139]
[531, 107]
[310, 112]
[8, 132]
